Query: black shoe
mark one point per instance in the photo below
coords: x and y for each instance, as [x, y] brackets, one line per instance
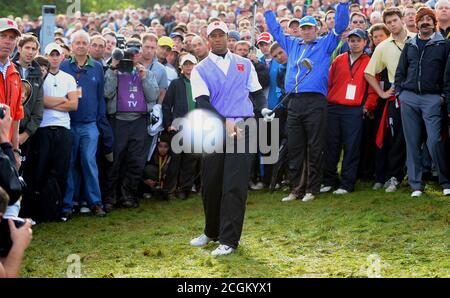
[170, 197]
[108, 207]
[182, 195]
[76, 210]
[98, 211]
[130, 204]
[65, 216]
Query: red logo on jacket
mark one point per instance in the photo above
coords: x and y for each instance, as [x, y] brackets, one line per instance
[240, 67]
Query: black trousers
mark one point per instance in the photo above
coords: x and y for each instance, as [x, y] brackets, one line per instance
[391, 158]
[281, 114]
[224, 193]
[306, 125]
[344, 131]
[25, 149]
[103, 166]
[131, 146]
[182, 172]
[49, 156]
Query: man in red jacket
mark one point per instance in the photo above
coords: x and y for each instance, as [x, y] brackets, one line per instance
[10, 83]
[347, 94]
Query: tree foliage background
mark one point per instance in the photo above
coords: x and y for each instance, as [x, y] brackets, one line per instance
[33, 8]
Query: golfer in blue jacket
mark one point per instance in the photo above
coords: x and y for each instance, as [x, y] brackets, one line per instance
[307, 107]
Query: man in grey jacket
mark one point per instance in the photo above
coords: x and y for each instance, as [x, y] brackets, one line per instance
[130, 96]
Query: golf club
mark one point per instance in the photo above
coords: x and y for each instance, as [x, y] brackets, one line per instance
[308, 64]
[252, 40]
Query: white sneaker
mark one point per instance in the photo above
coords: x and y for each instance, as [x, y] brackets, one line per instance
[324, 189]
[222, 250]
[392, 185]
[377, 186]
[257, 186]
[201, 240]
[416, 194]
[446, 191]
[340, 191]
[84, 210]
[251, 185]
[308, 197]
[289, 198]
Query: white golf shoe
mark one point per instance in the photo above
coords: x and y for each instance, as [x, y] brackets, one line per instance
[202, 240]
[222, 250]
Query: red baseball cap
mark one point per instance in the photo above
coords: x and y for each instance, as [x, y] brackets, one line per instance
[265, 37]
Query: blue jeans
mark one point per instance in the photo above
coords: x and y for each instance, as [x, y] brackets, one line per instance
[83, 165]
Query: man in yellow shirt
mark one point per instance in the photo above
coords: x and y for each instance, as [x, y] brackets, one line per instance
[391, 153]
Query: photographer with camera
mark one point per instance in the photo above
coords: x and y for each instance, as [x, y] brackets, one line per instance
[15, 234]
[131, 91]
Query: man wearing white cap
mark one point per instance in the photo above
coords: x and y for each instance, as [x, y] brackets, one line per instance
[52, 145]
[223, 83]
[10, 83]
[177, 102]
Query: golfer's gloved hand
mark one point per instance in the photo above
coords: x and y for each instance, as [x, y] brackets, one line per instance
[267, 114]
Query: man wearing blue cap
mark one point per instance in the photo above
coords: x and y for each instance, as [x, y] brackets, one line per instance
[233, 38]
[307, 109]
[348, 91]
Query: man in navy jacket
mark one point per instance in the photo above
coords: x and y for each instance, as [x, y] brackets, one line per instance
[91, 109]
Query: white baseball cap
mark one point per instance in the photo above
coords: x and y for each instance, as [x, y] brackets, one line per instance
[188, 57]
[53, 46]
[7, 24]
[216, 25]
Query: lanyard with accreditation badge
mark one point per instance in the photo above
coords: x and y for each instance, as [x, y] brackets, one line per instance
[351, 87]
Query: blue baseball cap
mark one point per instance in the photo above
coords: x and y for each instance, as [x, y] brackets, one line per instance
[176, 34]
[359, 33]
[235, 35]
[308, 21]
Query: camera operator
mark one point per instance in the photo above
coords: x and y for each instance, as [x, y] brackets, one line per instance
[131, 91]
[19, 237]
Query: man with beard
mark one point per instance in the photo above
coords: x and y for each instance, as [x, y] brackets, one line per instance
[419, 85]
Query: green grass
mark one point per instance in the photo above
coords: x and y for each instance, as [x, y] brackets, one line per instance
[329, 237]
